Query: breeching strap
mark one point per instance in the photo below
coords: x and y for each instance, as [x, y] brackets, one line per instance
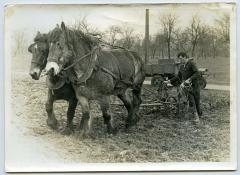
[109, 72]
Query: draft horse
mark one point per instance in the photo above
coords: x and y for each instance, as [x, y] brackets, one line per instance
[97, 73]
[58, 90]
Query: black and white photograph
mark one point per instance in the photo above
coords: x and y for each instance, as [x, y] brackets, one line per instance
[120, 87]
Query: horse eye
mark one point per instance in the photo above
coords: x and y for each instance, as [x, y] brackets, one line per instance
[61, 59]
[58, 44]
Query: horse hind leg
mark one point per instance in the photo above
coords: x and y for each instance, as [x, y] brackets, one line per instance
[137, 85]
[51, 120]
[72, 104]
[104, 104]
[136, 103]
[127, 99]
[136, 93]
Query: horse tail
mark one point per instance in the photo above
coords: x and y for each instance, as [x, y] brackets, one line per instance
[139, 73]
[139, 60]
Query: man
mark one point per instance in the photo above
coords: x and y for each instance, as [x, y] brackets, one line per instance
[189, 75]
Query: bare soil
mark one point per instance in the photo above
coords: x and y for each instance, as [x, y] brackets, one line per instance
[158, 136]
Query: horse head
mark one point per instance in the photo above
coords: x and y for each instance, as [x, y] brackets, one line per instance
[69, 45]
[39, 51]
[59, 51]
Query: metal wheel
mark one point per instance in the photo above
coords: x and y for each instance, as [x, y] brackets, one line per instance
[157, 80]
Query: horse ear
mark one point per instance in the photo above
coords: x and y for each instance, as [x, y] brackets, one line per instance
[65, 31]
[30, 48]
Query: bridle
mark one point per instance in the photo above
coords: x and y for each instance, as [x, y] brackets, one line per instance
[39, 62]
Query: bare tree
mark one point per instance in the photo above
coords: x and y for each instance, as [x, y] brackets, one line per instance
[223, 27]
[181, 40]
[113, 33]
[127, 37]
[168, 23]
[82, 24]
[160, 43]
[19, 42]
[214, 42]
[138, 45]
[153, 46]
[205, 41]
[194, 31]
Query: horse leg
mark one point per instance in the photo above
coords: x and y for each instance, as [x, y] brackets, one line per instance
[128, 103]
[85, 124]
[72, 104]
[136, 93]
[51, 120]
[136, 103]
[104, 104]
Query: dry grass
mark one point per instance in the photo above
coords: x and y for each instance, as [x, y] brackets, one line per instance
[156, 138]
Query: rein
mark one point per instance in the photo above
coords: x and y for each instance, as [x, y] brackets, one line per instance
[79, 59]
[100, 68]
[39, 63]
[90, 53]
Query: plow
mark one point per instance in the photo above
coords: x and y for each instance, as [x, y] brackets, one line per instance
[167, 99]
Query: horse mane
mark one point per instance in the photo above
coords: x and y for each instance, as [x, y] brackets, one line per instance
[54, 35]
[80, 35]
[40, 38]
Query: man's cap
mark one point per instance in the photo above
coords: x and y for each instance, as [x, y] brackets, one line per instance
[182, 54]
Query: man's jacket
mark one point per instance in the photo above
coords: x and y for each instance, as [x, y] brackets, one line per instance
[187, 71]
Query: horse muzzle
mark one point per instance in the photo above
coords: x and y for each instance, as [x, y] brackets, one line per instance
[35, 73]
[52, 66]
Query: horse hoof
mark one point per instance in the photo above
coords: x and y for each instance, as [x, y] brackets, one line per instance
[132, 122]
[196, 122]
[52, 123]
[78, 129]
[67, 131]
[83, 135]
[128, 125]
[112, 130]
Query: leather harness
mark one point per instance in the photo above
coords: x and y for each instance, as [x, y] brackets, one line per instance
[96, 67]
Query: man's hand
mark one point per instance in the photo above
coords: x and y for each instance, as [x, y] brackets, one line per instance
[182, 86]
[188, 81]
[167, 82]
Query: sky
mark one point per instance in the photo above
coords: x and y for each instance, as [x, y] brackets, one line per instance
[33, 18]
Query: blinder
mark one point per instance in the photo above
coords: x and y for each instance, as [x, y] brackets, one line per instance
[30, 47]
[39, 62]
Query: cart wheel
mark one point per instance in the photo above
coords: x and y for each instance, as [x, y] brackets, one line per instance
[171, 100]
[171, 106]
[157, 80]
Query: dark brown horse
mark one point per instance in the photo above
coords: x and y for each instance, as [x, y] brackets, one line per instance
[39, 50]
[98, 73]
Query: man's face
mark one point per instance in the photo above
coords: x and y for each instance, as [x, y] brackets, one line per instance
[183, 59]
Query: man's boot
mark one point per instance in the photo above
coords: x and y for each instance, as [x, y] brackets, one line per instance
[196, 117]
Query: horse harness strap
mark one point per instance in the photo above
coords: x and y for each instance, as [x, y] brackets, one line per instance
[81, 58]
[115, 76]
[36, 62]
[108, 71]
[97, 67]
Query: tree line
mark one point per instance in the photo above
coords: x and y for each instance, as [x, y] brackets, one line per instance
[198, 39]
